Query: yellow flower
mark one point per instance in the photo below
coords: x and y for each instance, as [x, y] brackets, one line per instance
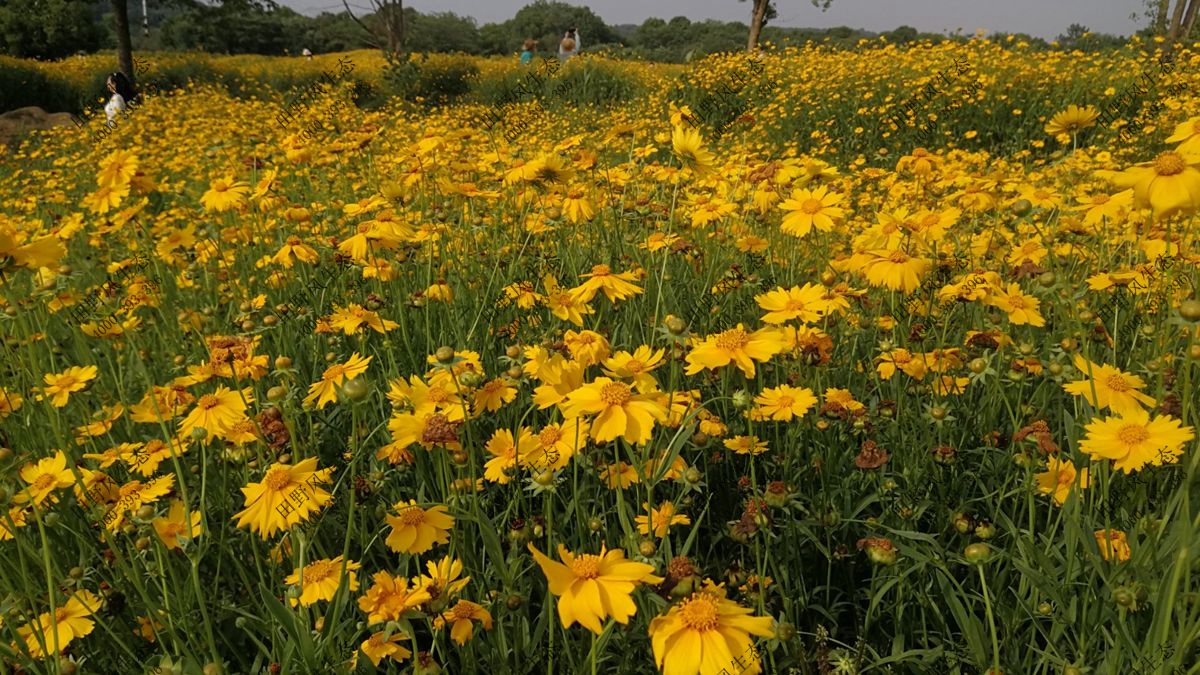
[389, 598]
[44, 477]
[1112, 543]
[592, 588]
[1187, 135]
[636, 367]
[1072, 120]
[601, 278]
[10, 402]
[556, 444]
[1060, 479]
[619, 475]
[178, 524]
[735, 346]
[494, 394]
[811, 208]
[662, 518]
[586, 347]
[805, 304]
[60, 386]
[564, 304]
[894, 269]
[443, 581]
[320, 580]
[216, 413]
[324, 391]
[225, 194]
[286, 496]
[577, 206]
[1133, 440]
[1114, 389]
[689, 149]
[355, 316]
[619, 412]
[703, 633]
[415, 530]
[70, 621]
[783, 403]
[504, 454]
[381, 644]
[1021, 309]
[746, 445]
[461, 615]
[1170, 183]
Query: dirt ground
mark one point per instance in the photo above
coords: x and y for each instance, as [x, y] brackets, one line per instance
[16, 124]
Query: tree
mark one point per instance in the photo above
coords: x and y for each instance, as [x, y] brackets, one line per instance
[124, 43]
[389, 13]
[46, 29]
[758, 19]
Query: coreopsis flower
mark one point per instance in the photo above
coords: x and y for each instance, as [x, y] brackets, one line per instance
[903, 360]
[783, 403]
[18, 251]
[382, 644]
[803, 303]
[688, 146]
[1113, 544]
[564, 304]
[224, 194]
[1133, 440]
[1187, 135]
[577, 206]
[10, 402]
[134, 495]
[619, 475]
[592, 588]
[415, 530]
[702, 634]
[1168, 184]
[619, 412]
[842, 399]
[494, 394]
[44, 477]
[1060, 479]
[504, 452]
[60, 386]
[324, 391]
[178, 523]
[71, 621]
[443, 580]
[320, 580]
[919, 162]
[101, 424]
[217, 412]
[746, 445]
[19, 517]
[811, 208]
[543, 171]
[636, 367]
[660, 520]
[353, 317]
[390, 597]
[287, 495]
[1072, 120]
[614, 286]
[105, 198]
[295, 249]
[559, 378]
[735, 346]
[1021, 309]
[430, 430]
[556, 444]
[439, 395]
[893, 269]
[1113, 389]
[1099, 207]
[118, 168]
[460, 617]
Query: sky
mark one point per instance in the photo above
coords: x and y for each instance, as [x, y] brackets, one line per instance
[1041, 18]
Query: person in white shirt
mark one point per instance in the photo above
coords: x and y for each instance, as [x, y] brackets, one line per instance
[122, 93]
[569, 45]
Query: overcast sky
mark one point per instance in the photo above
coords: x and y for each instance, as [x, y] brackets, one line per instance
[1043, 18]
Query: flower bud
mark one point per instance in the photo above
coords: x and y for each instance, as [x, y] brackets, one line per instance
[742, 400]
[646, 548]
[444, 355]
[977, 554]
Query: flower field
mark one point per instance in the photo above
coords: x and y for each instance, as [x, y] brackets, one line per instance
[614, 393]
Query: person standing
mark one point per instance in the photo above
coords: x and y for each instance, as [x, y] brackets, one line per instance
[568, 46]
[527, 54]
[122, 93]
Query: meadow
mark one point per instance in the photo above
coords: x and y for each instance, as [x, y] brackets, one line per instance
[821, 361]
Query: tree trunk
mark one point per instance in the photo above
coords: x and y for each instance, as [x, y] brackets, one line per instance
[756, 23]
[1189, 19]
[124, 44]
[1176, 20]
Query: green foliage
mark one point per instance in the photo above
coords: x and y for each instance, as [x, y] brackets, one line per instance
[23, 84]
[591, 82]
[46, 29]
[425, 80]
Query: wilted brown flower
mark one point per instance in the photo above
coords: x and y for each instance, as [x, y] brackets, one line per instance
[871, 456]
